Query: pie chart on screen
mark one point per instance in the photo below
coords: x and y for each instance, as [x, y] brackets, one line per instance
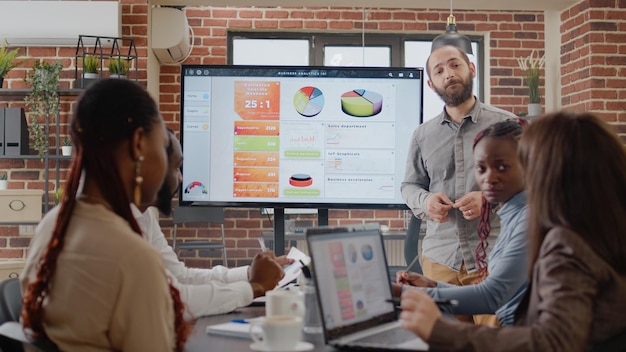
[308, 101]
[361, 103]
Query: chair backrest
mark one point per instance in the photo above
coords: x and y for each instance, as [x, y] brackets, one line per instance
[198, 214]
[10, 300]
[10, 307]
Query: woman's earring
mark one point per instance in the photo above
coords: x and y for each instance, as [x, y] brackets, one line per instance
[138, 181]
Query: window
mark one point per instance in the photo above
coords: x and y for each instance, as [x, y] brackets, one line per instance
[378, 50]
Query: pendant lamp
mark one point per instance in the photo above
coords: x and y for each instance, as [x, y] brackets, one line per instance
[452, 37]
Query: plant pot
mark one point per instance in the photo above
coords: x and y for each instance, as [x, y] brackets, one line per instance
[115, 75]
[534, 110]
[88, 79]
[4, 184]
[66, 150]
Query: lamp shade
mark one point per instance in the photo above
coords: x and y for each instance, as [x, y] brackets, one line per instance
[452, 37]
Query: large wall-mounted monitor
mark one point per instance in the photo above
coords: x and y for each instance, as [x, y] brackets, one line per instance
[297, 137]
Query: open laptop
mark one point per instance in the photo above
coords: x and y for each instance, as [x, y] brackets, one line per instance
[353, 289]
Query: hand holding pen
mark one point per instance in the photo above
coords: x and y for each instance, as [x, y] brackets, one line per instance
[283, 261]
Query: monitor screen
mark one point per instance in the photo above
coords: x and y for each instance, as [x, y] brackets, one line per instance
[293, 137]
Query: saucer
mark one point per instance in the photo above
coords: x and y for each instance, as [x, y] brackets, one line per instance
[301, 346]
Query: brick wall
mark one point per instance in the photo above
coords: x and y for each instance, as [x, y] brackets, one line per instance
[511, 35]
[593, 60]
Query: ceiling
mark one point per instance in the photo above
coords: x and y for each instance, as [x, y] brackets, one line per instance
[532, 5]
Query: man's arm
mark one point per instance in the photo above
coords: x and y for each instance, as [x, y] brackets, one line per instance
[414, 187]
[154, 235]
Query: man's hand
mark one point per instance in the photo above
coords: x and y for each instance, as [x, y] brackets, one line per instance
[265, 273]
[470, 205]
[437, 207]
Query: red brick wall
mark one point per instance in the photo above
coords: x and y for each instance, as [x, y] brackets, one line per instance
[593, 60]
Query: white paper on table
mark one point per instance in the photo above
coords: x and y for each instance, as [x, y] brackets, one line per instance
[293, 270]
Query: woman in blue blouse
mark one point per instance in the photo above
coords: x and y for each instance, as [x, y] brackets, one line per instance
[499, 176]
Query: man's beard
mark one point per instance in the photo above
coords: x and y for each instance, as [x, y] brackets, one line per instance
[164, 199]
[456, 98]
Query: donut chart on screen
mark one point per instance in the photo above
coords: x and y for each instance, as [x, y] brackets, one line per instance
[361, 103]
[196, 187]
[308, 101]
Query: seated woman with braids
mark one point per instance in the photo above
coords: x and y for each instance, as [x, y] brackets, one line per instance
[91, 283]
[500, 178]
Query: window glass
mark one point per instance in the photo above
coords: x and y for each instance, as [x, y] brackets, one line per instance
[288, 52]
[357, 56]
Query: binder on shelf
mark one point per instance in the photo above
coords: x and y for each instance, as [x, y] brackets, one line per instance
[15, 132]
[2, 131]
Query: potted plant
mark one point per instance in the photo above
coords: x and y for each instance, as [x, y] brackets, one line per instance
[43, 102]
[91, 63]
[58, 196]
[118, 67]
[532, 67]
[66, 147]
[7, 61]
[4, 182]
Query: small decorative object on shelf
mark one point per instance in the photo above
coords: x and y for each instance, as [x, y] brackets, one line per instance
[4, 182]
[58, 195]
[91, 64]
[43, 102]
[7, 61]
[118, 53]
[532, 67]
[66, 148]
[118, 67]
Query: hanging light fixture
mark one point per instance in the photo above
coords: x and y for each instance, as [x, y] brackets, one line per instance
[452, 37]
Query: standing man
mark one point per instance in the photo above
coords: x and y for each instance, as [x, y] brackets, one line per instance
[439, 184]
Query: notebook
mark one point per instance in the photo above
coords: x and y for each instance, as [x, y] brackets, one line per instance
[353, 288]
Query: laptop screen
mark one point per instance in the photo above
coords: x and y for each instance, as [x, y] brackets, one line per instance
[350, 271]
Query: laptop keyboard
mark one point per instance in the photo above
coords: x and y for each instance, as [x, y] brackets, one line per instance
[388, 337]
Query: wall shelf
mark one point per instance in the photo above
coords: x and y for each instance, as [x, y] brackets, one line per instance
[22, 92]
[122, 49]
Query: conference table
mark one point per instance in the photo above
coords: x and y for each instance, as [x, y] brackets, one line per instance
[200, 341]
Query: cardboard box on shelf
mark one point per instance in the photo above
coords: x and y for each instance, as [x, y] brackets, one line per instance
[10, 268]
[20, 205]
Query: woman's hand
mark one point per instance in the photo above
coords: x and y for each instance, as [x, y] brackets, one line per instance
[419, 313]
[414, 279]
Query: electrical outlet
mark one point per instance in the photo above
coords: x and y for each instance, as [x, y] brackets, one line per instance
[27, 230]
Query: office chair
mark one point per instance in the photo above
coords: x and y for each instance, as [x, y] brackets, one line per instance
[411, 242]
[12, 335]
[10, 300]
[199, 214]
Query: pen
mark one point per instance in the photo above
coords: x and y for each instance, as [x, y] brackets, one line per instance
[444, 302]
[412, 264]
[305, 270]
[239, 321]
[262, 244]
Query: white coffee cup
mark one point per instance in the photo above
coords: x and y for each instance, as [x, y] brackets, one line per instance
[284, 302]
[277, 333]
